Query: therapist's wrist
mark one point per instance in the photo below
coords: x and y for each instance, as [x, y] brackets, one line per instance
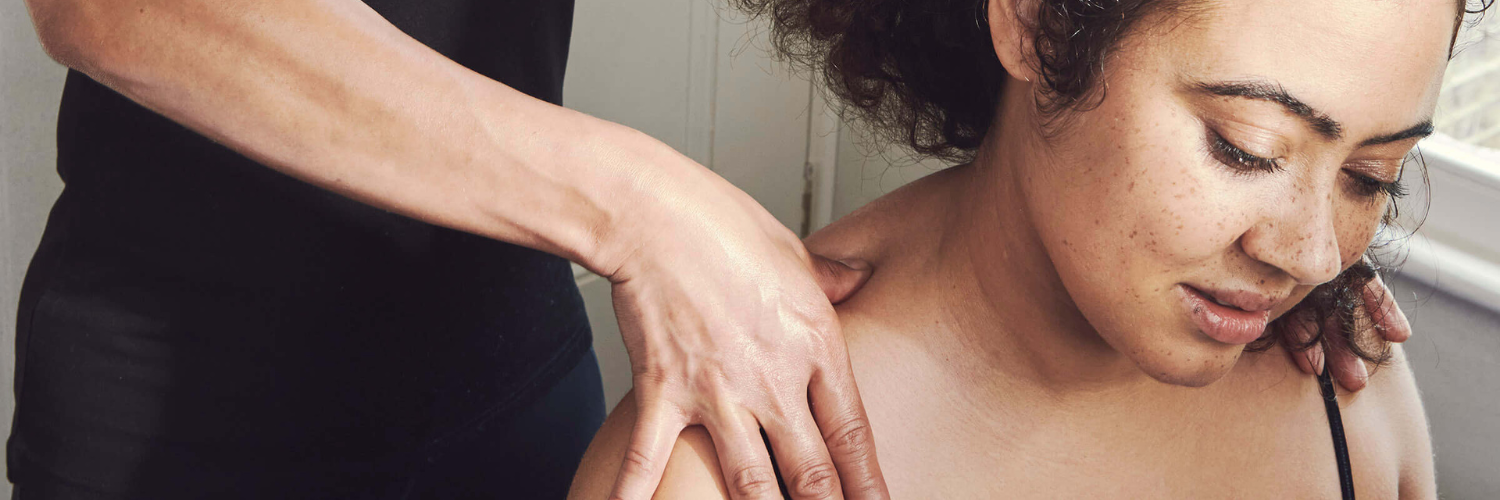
[592, 191]
[642, 191]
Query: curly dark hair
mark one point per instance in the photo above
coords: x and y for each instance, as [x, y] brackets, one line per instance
[924, 74]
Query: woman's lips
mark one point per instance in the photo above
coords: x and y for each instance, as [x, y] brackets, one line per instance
[1229, 325]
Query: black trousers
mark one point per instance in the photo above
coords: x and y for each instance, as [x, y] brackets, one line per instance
[531, 454]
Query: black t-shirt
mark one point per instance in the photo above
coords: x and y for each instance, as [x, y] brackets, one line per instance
[188, 305]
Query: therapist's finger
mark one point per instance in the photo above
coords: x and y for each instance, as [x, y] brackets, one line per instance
[1388, 320]
[805, 466]
[1300, 324]
[743, 457]
[840, 414]
[839, 279]
[656, 429]
[1346, 368]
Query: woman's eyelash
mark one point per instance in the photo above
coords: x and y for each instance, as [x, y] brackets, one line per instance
[1369, 186]
[1236, 158]
[1244, 162]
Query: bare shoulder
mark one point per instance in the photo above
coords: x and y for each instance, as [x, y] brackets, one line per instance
[692, 471]
[1397, 407]
[865, 231]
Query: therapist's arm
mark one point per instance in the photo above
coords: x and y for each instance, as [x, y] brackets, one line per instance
[722, 309]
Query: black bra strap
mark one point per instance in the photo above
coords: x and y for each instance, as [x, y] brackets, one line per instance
[1336, 427]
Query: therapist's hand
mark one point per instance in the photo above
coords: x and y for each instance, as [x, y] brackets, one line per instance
[1382, 314]
[729, 325]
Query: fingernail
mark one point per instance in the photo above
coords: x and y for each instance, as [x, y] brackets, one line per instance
[1361, 372]
[1315, 355]
[1398, 320]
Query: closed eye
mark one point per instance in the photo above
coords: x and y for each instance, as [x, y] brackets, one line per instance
[1368, 186]
[1236, 158]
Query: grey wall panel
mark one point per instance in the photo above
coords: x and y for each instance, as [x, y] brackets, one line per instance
[760, 121]
[1455, 354]
[621, 70]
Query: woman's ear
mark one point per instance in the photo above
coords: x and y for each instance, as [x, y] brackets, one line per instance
[1011, 23]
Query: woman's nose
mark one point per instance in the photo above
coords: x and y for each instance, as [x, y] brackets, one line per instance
[1299, 237]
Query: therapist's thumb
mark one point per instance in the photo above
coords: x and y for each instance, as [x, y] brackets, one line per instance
[840, 279]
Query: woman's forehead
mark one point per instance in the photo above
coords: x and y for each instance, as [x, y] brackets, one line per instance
[1373, 64]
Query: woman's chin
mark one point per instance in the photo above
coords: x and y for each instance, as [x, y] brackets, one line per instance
[1189, 371]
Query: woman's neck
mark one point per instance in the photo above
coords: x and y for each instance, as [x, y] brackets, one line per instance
[999, 296]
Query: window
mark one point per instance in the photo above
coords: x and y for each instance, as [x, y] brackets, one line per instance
[1469, 109]
[1457, 248]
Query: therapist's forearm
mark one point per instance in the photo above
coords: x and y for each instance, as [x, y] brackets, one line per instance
[331, 93]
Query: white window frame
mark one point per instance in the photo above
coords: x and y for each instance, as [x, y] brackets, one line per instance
[1457, 248]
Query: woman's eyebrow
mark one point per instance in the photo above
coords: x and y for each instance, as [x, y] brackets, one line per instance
[1329, 128]
[1273, 92]
[1423, 129]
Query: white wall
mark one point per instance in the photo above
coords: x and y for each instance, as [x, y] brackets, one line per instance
[669, 68]
[30, 85]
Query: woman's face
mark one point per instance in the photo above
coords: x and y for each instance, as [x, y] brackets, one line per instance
[1239, 158]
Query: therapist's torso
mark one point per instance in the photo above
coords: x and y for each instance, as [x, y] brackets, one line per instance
[188, 304]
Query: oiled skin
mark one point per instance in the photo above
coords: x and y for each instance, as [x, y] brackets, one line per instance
[945, 428]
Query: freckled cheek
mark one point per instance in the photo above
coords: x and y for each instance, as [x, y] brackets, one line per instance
[1183, 213]
[1356, 225]
[1145, 193]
